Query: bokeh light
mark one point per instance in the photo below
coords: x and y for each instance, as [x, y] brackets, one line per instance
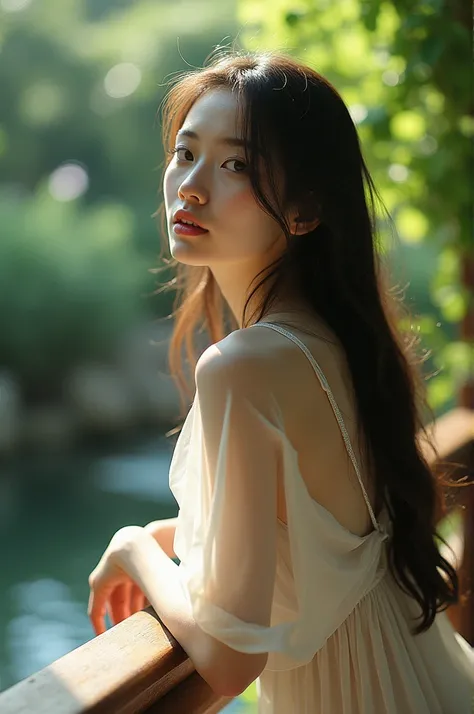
[68, 182]
[122, 80]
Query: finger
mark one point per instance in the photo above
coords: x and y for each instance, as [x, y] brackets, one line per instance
[96, 610]
[127, 610]
[119, 602]
[137, 599]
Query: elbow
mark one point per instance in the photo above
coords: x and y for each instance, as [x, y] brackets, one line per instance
[230, 688]
[230, 676]
[225, 684]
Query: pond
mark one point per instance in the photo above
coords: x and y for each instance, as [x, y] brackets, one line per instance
[57, 515]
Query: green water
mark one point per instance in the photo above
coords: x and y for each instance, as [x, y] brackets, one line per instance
[56, 517]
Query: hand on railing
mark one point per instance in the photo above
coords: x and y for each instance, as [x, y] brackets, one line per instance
[112, 590]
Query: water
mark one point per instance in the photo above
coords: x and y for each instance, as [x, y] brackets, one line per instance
[57, 515]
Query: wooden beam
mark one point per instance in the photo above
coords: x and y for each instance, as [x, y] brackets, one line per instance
[451, 432]
[121, 672]
[193, 695]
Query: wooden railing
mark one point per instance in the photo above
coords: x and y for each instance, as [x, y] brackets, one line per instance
[137, 666]
[453, 435]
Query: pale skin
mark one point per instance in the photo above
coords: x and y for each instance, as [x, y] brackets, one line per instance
[207, 177]
[163, 531]
[129, 598]
[204, 177]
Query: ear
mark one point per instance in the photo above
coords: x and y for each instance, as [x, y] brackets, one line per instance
[299, 227]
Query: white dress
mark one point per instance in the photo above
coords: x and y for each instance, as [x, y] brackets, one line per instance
[315, 596]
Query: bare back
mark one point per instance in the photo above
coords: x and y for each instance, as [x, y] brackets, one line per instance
[312, 427]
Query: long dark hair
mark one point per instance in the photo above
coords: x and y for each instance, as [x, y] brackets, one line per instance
[296, 119]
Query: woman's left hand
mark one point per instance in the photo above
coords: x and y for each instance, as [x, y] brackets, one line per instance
[111, 588]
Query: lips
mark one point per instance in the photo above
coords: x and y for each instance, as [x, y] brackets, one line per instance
[184, 229]
[182, 215]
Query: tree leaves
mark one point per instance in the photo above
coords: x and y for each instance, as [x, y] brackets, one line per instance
[409, 93]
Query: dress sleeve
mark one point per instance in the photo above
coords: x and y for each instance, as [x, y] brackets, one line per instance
[228, 566]
[251, 585]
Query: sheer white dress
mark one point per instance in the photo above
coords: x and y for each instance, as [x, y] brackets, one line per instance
[315, 596]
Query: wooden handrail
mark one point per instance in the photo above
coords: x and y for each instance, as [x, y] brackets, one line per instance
[138, 666]
[453, 435]
[124, 671]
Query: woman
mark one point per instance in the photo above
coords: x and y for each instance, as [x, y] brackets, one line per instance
[306, 532]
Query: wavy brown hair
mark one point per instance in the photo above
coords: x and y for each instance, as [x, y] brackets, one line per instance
[296, 119]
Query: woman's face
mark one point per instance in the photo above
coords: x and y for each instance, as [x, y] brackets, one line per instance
[208, 178]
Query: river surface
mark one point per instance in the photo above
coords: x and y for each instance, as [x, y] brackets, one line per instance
[57, 515]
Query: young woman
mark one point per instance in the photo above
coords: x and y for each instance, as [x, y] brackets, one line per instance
[306, 531]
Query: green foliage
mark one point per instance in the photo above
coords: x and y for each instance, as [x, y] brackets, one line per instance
[403, 68]
[70, 283]
[81, 82]
[249, 697]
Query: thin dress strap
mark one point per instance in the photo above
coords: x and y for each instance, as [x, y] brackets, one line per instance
[337, 412]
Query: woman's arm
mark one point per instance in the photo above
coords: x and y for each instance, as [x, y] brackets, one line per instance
[138, 554]
[163, 532]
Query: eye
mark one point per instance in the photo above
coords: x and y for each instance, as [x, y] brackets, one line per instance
[177, 149]
[238, 161]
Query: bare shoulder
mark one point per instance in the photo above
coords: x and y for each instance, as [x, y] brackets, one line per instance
[243, 354]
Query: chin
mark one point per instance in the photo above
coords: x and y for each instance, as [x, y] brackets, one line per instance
[187, 256]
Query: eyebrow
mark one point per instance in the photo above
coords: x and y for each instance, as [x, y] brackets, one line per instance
[228, 140]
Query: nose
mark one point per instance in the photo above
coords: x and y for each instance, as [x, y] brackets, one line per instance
[193, 189]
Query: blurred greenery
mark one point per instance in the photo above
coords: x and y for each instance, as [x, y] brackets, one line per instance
[80, 168]
[70, 283]
[403, 67]
[81, 82]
